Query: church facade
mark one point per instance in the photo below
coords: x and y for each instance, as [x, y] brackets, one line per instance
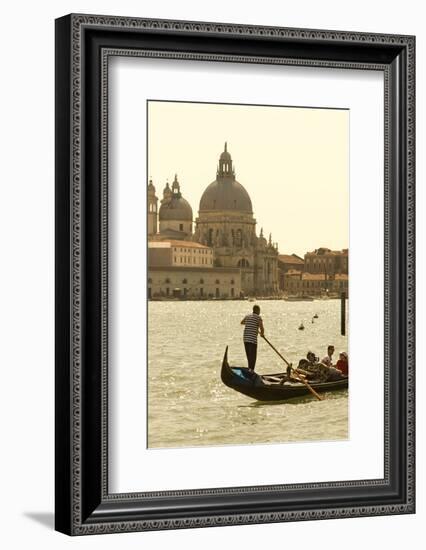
[225, 223]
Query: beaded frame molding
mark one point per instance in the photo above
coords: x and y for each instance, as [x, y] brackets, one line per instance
[84, 44]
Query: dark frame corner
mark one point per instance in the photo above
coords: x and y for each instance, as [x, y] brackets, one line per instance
[83, 44]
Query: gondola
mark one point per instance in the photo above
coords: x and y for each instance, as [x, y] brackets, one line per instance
[271, 387]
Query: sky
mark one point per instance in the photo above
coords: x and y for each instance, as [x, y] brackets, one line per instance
[293, 162]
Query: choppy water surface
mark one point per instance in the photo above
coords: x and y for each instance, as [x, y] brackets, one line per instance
[188, 405]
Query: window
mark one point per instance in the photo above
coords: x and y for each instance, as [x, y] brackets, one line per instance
[201, 281]
[239, 239]
[150, 280]
[217, 282]
[167, 281]
[184, 281]
[181, 227]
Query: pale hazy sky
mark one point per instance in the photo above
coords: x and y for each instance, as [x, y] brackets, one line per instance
[293, 162]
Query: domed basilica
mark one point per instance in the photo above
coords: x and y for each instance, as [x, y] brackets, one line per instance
[225, 223]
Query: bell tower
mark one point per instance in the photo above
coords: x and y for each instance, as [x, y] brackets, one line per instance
[152, 209]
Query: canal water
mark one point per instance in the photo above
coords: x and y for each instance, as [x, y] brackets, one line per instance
[188, 405]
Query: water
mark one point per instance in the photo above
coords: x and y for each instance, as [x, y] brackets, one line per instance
[188, 405]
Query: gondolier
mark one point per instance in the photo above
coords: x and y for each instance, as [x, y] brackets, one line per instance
[252, 325]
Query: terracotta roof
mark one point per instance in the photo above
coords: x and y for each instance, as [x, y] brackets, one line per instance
[313, 276]
[168, 244]
[290, 259]
[327, 252]
[204, 269]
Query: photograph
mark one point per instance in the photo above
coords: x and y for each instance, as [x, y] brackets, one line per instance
[247, 274]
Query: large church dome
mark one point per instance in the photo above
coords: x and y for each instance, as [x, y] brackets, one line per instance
[225, 193]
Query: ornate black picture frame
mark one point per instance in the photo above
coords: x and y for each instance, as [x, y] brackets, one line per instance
[83, 45]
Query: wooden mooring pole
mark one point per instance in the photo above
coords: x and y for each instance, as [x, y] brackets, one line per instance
[343, 313]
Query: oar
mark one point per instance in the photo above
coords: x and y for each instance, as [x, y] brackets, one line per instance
[310, 388]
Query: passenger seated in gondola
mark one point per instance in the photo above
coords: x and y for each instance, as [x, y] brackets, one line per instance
[313, 369]
[343, 363]
[328, 359]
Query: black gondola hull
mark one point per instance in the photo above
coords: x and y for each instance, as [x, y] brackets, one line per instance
[256, 386]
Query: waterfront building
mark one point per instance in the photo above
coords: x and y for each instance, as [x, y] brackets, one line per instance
[324, 260]
[179, 254]
[165, 282]
[287, 262]
[299, 283]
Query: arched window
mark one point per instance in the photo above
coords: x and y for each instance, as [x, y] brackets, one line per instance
[184, 281]
[243, 263]
[210, 239]
[167, 281]
[201, 281]
[217, 281]
[150, 280]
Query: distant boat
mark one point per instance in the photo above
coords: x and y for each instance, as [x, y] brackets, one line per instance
[301, 326]
[316, 316]
[299, 299]
[271, 387]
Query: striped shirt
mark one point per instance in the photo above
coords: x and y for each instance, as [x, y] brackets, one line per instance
[251, 328]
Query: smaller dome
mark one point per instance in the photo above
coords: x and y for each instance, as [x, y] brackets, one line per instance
[177, 208]
[151, 187]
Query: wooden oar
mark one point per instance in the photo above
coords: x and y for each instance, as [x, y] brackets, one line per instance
[310, 388]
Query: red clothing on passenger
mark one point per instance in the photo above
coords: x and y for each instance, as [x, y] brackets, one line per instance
[343, 366]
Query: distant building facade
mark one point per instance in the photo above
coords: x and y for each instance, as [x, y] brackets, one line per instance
[287, 262]
[179, 254]
[193, 282]
[298, 283]
[324, 260]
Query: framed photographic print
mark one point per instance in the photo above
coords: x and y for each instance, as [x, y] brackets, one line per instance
[234, 227]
